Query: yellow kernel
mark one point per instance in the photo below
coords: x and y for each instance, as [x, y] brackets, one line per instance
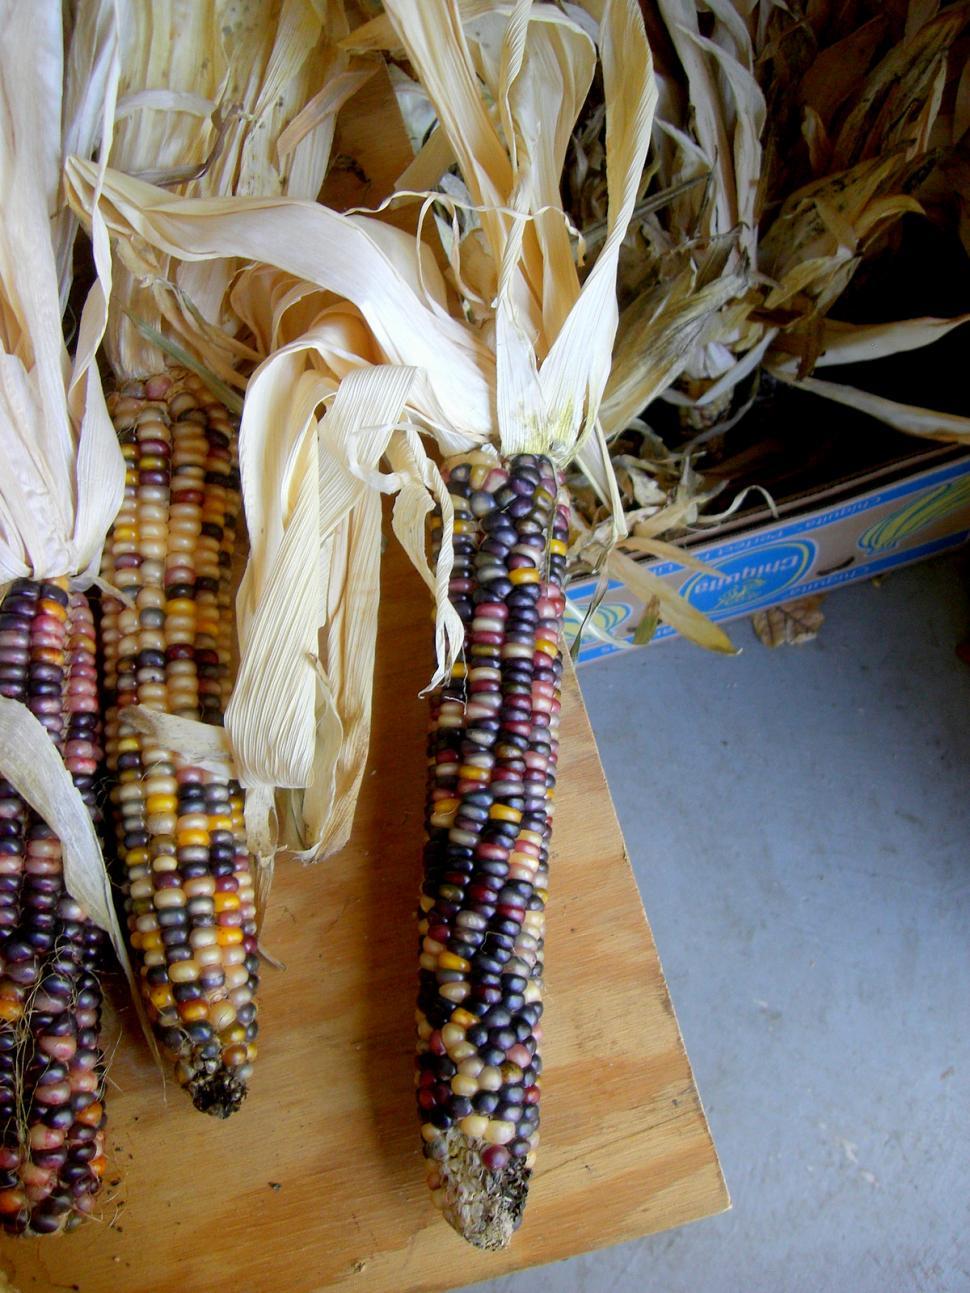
[433, 947]
[463, 1085]
[229, 935]
[429, 1132]
[183, 971]
[463, 1018]
[463, 1051]
[557, 547]
[150, 942]
[449, 961]
[226, 901]
[161, 997]
[503, 813]
[188, 838]
[474, 1126]
[193, 1011]
[160, 804]
[525, 575]
[180, 606]
[468, 772]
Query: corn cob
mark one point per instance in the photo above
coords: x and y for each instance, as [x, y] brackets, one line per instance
[492, 755]
[184, 867]
[51, 1064]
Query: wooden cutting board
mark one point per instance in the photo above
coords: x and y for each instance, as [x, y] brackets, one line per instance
[318, 1182]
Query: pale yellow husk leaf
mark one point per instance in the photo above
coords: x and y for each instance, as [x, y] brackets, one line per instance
[63, 473]
[219, 97]
[676, 610]
[528, 373]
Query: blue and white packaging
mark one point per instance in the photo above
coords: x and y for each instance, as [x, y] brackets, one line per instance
[872, 532]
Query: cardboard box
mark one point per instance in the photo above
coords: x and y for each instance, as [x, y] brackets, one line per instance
[850, 530]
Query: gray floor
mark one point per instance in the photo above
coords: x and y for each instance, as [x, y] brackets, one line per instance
[799, 824]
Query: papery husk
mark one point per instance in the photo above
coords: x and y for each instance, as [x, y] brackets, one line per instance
[529, 373]
[224, 99]
[870, 95]
[63, 473]
[217, 97]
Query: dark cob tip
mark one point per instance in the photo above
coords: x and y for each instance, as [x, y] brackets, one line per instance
[483, 1205]
[219, 1094]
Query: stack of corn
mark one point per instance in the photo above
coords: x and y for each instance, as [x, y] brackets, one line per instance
[504, 365]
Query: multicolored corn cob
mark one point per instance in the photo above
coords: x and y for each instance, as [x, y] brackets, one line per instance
[185, 871]
[492, 754]
[51, 1063]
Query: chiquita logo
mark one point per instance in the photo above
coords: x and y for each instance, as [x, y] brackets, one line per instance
[750, 578]
[932, 505]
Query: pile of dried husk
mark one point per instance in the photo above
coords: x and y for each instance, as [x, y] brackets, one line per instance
[789, 141]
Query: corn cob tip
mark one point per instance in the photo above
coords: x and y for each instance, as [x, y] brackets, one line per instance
[219, 1094]
[484, 1206]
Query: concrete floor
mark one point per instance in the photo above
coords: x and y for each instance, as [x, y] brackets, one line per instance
[799, 824]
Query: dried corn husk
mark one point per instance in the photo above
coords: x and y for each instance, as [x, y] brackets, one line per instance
[521, 363]
[793, 190]
[63, 473]
[216, 97]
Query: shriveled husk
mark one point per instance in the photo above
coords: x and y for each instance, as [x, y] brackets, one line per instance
[517, 357]
[216, 97]
[63, 473]
[807, 131]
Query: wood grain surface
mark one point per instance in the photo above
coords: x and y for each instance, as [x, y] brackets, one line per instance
[318, 1182]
